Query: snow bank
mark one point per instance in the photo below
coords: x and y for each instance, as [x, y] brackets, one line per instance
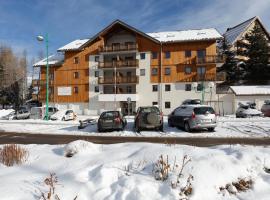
[124, 171]
[80, 146]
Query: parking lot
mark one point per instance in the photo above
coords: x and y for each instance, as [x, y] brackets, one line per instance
[227, 127]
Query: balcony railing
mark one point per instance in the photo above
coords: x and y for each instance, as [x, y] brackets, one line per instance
[208, 59]
[41, 82]
[119, 80]
[205, 77]
[120, 47]
[120, 63]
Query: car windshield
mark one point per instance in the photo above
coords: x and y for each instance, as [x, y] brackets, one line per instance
[110, 115]
[149, 109]
[203, 110]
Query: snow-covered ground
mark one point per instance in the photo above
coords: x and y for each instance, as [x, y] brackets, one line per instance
[125, 171]
[227, 127]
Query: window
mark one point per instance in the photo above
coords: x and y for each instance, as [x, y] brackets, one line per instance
[142, 72]
[76, 60]
[188, 87]
[154, 71]
[115, 46]
[201, 71]
[129, 89]
[188, 70]
[96, 58]
[167, 104]
[154, 55]
[96, 73]
[199, 87]
[76, 90]
[167, 71]
[201, 53]
[155, 88]
[142, 55]
[167, 54]
[76, 74]
[96, 88]
[154, 103]
[167, 87]
[188, 53]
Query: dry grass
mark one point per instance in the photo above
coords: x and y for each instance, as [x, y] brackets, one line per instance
[241, 185]
[12, 154]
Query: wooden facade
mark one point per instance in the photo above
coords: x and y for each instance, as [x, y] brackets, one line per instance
[77, 62]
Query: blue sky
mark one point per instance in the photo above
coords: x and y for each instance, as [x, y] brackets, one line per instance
[66, 20]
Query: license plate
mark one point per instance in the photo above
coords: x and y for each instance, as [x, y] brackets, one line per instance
[206, 120]
[108, 121]
[150, 126]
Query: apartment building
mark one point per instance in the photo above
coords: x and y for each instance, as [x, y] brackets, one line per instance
[123, 68]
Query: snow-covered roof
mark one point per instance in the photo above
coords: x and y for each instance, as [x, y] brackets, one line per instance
[251, 90]
[186, 35]
[233, 33]
[74, 45]
[55, 59]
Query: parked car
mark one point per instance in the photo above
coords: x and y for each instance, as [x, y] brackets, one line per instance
[148, 117]
[40, 112]
[191, 102]
[247, 110]
[8, 116]
[22, 114]
[266, 108]
[64, 115]
[191, 117]
[111, 120]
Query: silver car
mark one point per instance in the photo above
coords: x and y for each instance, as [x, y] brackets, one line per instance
[193, 117]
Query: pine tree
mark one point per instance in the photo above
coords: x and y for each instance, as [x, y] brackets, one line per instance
[233, 72]
[257, 67]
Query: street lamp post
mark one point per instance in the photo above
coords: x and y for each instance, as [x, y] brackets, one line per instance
[203, 91]
[41, 38]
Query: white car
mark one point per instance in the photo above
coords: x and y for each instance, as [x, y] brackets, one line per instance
[64, 115]
[246, 110]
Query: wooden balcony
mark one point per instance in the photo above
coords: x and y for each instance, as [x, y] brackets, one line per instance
[119, 80]
[205, 77]
[209, 59]
[41, 82]
[119, 64]
[117, 48]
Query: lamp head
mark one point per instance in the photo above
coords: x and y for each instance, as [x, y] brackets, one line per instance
[194, 85]
[211, 85]
[40, 38]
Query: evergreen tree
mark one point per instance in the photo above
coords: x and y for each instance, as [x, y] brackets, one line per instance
[257, 67]
[231, 67]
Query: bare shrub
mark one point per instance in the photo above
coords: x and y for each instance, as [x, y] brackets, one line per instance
[241, 185]
[12, 154]
[161, 168]
[186, 191]
[51, 183]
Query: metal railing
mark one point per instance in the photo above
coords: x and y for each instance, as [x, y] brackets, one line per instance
[119, 80]
[119, 63]
[120, 47]
[205, 77]
[210, 59]
[41, 82]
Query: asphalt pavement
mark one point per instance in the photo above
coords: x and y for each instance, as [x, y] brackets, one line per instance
[30, 138]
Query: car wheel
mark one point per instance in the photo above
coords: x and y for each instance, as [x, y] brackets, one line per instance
[170, 123]
[161, 128]
[100, 129]
[187, 127]
[137, 129]
[211, 129]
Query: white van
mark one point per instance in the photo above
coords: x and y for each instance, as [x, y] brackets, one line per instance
[39, 112]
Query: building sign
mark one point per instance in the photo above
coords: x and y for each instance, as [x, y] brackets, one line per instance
[64, 91]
